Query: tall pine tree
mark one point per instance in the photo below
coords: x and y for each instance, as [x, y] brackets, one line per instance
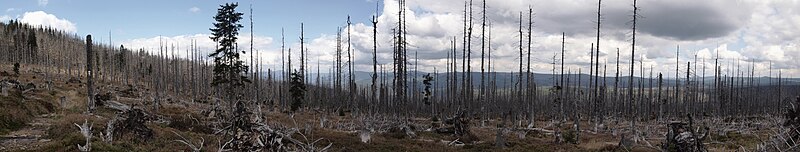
[229, 70]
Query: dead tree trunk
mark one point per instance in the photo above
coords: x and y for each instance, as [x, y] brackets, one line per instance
[302, 54]
[562, 84]
[598, 111]
[592, 103]
[630, 79]
[469, 94]
[616, 88]
[677, 78]
[520, 93]
[374, 54]
[531, 85]
[89, 74]
[482, 95]
[288, 70]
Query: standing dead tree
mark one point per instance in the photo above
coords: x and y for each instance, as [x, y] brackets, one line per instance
[482, 94]
[89, 75]
[287, 70]
[531, 85]
[598, 102]
[521, 84]
[253, 88]
[658, 98]
[630, 79]
[302, 53]
[400, 56]
[561, 85]
[351, 83]
[337, 82]
[374, 54]
[677, 79]
[469, 93]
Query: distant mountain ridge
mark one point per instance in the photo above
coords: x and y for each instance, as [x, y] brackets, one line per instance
[504, 79]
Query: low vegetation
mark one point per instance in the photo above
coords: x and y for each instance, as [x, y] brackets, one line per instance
[108, 98]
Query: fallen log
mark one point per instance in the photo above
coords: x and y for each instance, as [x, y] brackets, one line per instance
[116, 105]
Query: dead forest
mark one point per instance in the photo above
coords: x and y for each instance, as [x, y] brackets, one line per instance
[97, 96]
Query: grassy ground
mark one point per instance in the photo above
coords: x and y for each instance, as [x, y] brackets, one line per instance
[38, 115]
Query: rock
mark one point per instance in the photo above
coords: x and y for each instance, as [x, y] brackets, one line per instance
[364, 134]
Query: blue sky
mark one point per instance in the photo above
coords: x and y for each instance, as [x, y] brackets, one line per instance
[148, 18]
[763, 32]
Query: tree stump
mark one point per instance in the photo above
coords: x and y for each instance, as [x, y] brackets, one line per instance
[500, 141]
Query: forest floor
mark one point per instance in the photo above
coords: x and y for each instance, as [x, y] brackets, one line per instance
[37, 120]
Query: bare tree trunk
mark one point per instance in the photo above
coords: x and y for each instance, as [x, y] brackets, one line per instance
[89, 75]
[254, 87]
[469, 94]
[716, 85]
[287, 71]
[351, 81]
[659, 100]
[616, 102]
[531, 85]
[563, 86]
[464, 61]
[577, 119]
[686, 90]
[630, 80]
[520, 92]
[302, 53]
[590, 95]
[598, 111]
[482, 95]
[563, 38]
[374, 54]
[400, 56]
[677, 79]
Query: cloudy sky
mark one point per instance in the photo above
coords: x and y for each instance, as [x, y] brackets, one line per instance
[749, 33]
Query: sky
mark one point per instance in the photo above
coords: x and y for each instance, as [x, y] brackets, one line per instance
[755, 34]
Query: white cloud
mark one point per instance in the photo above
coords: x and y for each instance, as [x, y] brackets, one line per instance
[763, 34]
[44, 19]
[4, 18]
[10, 9]
[194, 9]
[432, 24]
[262, 44]
[42, 2]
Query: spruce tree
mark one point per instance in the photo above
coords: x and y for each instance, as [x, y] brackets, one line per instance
[228, 68]
[297, 90]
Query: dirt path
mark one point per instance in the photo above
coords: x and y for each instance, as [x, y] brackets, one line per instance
[29, 137]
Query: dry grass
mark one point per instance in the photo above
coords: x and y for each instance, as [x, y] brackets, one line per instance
[185, 119]
[18, 109]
